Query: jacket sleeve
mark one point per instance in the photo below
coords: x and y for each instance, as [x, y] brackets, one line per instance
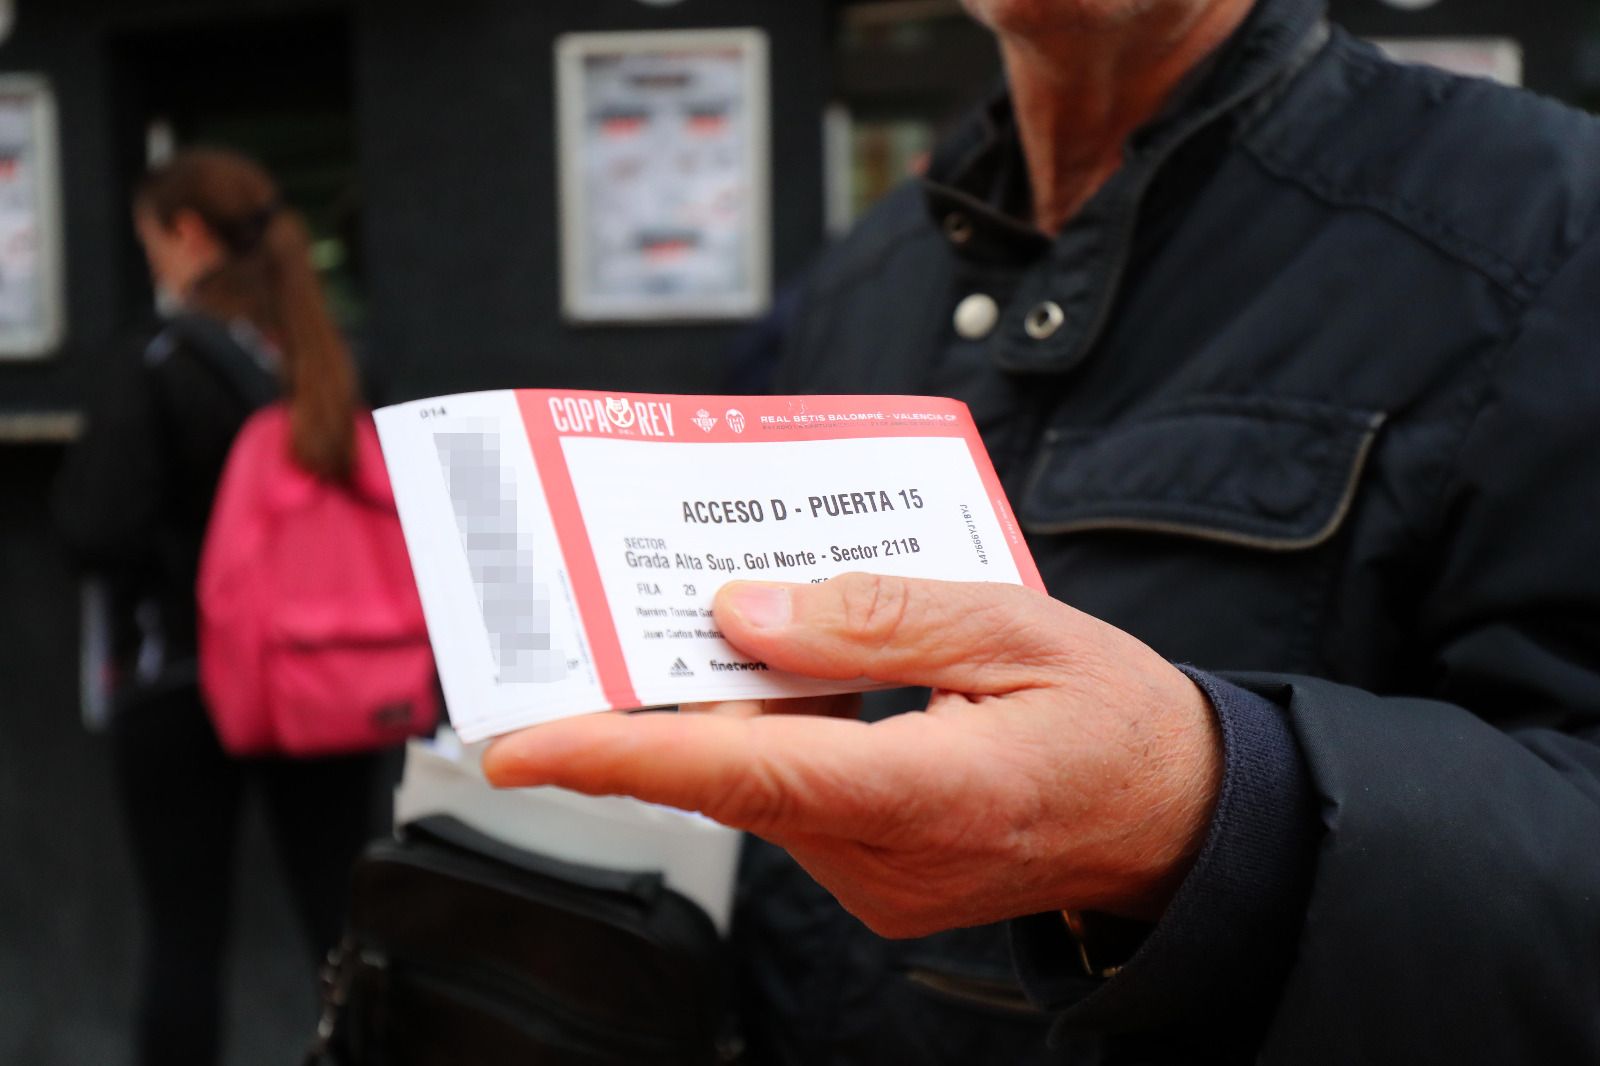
[112, 484]
[1454, 915]
[1200, 983]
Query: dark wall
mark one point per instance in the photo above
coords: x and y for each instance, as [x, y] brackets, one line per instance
[457, 136]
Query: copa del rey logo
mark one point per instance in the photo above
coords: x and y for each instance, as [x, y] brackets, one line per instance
[612, 414]
[704, 419]
[619, 411]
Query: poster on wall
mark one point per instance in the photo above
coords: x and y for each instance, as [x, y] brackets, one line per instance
[30, 221]
[665, 175]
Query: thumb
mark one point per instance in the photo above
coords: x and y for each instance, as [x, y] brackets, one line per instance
[978, 638]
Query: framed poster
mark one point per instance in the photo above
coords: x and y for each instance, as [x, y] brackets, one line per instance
[664, 155]
[30, 220]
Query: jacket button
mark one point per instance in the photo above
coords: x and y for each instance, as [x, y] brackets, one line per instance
[976, 315]
[1044, 320]
[958, 227]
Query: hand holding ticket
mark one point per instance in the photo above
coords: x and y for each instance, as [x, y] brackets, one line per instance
[1059, 764]
[567, 545]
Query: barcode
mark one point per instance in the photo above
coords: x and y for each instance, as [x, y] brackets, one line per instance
[514, 605]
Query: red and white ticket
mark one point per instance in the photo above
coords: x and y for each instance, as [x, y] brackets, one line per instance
[567, 545]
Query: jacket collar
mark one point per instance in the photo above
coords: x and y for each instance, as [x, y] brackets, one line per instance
[977, 190]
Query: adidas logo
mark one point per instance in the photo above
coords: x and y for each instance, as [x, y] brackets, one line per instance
[680, 669]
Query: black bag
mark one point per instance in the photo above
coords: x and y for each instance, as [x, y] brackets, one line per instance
[461, 949]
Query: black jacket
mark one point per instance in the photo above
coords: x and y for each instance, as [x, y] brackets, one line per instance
[1321, 414]
[134, 495]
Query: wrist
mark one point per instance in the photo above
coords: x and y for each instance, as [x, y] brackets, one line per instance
[1186, 780]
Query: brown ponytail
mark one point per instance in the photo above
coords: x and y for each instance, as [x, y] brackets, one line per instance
[267, 279]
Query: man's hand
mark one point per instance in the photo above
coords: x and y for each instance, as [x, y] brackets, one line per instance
[1060, 764]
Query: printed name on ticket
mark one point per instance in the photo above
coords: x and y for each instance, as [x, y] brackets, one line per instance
[567, 545]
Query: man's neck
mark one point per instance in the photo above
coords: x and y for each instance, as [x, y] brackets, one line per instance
[1081, 91]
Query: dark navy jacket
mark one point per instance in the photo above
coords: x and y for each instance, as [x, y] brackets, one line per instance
[1319, 415]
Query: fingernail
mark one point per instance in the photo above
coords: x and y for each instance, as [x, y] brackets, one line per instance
[761, 606]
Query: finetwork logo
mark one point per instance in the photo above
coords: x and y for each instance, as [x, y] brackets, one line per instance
[719, 667]
[680, 669]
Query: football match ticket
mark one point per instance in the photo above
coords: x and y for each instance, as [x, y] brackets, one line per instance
[567, 545]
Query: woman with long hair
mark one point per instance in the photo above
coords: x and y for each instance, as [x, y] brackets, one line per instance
[221, 243]
[246, 322]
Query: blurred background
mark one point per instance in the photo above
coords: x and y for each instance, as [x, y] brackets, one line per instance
[421, 141]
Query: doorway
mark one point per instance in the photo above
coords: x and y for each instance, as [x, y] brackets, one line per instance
[276, 87]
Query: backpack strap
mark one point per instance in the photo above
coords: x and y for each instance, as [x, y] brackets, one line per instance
[228, 353]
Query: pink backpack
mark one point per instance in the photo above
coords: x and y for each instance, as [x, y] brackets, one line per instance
[312, 639]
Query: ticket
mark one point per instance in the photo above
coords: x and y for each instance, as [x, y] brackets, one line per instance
[567, 545]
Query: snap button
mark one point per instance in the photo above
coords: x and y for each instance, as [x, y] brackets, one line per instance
[958, 227]
[976, 316]
[1044, 320]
